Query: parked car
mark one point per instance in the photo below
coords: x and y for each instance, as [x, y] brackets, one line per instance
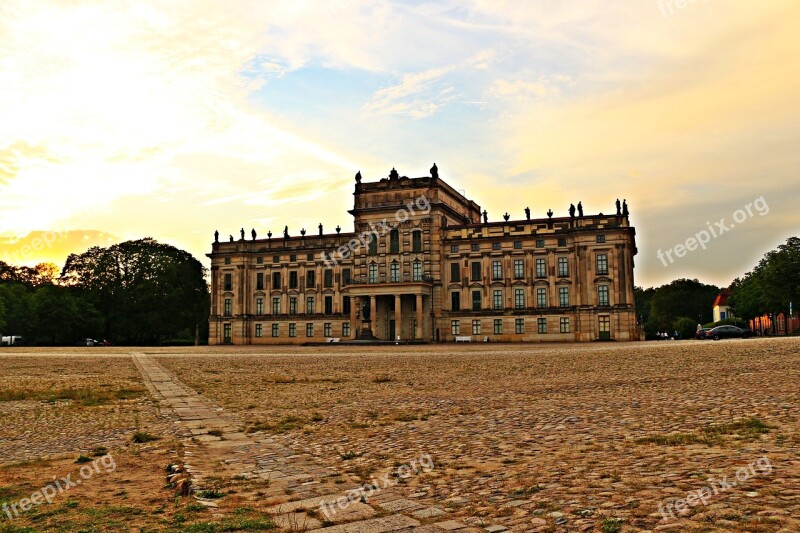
[701, 333]
[91, 342]
[10, 340]
[728, 332]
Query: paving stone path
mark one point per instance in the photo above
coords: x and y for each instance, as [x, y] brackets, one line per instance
[216, 447]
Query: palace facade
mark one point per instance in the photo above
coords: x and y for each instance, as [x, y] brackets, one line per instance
[423, 265]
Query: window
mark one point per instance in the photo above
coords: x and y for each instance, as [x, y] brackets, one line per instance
[563, 267]
[346, 276]
[260, 281]
[328, 277]
[476, 327]
[311, 279]
[276, 306]
[226, 333]
[276, 280]
[293, 279]
[455, 327]
[455, 272]
[476, 300]
[564, 324]
[497, 299]
[541, 324]
[496, 246]
[228, 283]
[292, 305]
[329, 305]
[275, 329]
[293, 258]
[326, 329]
[602, 295]
[562, 242]
[417, 271]
[601, 239]
[416, 241]
[373, 273]
[498, 326]
[227, 260]
[519, 326]
[497, 270]
[541, 267]
[309, 257]
[394, 272]
[519, 298]
[293, 330]
[228, 309]
[563, 296]
[475, 247]
[540, 243]
[259, 260]
[259, 330]
[310, 329]
[518, 245]
[476, 271]
[259, 306]
[519, 268]
[346, 305]
[276, 259]
[602, 264]
[541, 297]
[455, 301]
[453, 248]
[373, 244]
[394, 241]
[310, 305]
[345, 329]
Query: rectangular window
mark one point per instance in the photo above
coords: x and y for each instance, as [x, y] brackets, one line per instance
[455, 301]
[476, 327]
[563, 296]
[498, 326]
[416, 241]
[228, 283]
[540, 243]
[602, 264]
[417, 271]
[519, 326]
[310, 305]
[226, 333]
[541, 267]
[541, 324]
[519, 268]
[394, 272]
[329, 305]
[345, 329]
[563, 267]
[276, 280]
[476, 271]
[373, 245]
[309, 257]
[602, 295]
[292, 305]
[497, 270]
[345, 276]
[475, 247]
[293, 279]
[311, 280]
[564, 324]
[227, 260]
[518, 245]
[497, 299]
[326, 329]
[310, 329]
[276, 259]
[476, 300]
[455, 327]
[394, 241]
[562, 242]
[496, 246]
[293, 330]
[455, 272]
[293, 258]
[601, 239]
[275, 330]
[228, 309]
[541, 297]
[346, 305]
[328, 279]
[260, 281]
[259, 306]
[259, 330]
[276, 306]
[453, 248]
[259, 260]
[519, 298]
[373, 273]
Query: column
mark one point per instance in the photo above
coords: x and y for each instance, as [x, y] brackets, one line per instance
[397, 315]
[353, 310]
[418, 334]
[373, 313]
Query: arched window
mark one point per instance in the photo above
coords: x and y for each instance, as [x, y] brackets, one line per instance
[394, 271]
[373, 273]
[417, 271]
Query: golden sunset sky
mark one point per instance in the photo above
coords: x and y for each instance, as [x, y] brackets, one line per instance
[120, 120]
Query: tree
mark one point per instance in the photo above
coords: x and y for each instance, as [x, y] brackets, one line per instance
[685, 326]
[681, 298]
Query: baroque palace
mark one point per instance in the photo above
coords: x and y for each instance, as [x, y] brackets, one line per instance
[425, 264]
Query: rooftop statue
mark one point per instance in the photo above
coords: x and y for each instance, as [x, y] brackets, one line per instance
[358, 177]
[434, 171]
[527, 213]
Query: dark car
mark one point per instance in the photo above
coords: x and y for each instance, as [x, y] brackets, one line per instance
[728, 332]
[701, 333]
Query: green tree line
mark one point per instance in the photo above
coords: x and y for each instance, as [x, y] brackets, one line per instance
[138, 292]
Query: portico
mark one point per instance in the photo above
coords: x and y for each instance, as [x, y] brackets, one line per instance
[396, 310]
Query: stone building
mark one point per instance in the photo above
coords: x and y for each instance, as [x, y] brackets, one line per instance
[425, 264]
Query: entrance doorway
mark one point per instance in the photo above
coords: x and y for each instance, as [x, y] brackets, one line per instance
[391, 330]
[605, 328]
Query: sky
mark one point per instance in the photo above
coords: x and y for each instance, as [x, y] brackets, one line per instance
[175, 119]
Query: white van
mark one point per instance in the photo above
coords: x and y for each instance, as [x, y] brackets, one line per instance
[10, 340]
